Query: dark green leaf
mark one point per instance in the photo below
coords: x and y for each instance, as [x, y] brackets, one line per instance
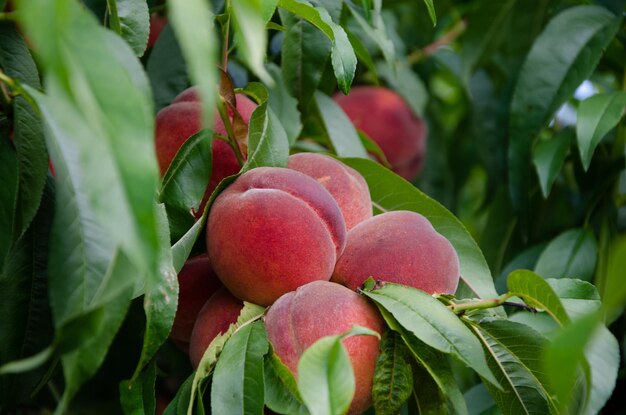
[549, 76]
[237, 386]
[536, 292]
[512, 351]
[166, 68]
[249, 18]
[393, 378]
[342, 55]
[284, 105]
[480, 401]
[178, 405]
[571, 254]
[8, 195]
[137, 397]
[433, 323]
[134, 23]
[281, 390]
[549, 156]
[596, 117]
[390, 192]
[15, 59]
[340, 130]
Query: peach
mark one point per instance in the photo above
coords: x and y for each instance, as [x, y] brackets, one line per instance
[401, 247]
[217, 314]
[321, 308]
[196, 282]
[344, 183]
[387, 119]
[271, 231]
[157, 23]
[183, 118]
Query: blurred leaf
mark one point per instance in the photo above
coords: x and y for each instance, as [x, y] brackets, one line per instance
[407, 83]
[597, 116]
[341, 132]
[536, 292]
[603, 354]
[131, 20]
[512, 355]
[549, 76]
[185, 182]
[249, 18]
[480, 401]
[571, 254]
[325, 375]
[304, 53]
[166, 68]
[549, 156]
[390, 192]
[433, 323]
[193, 26]
[137, 397]
[342, 55]
[614, 294]
[284, 105]
[376, 32]
[363, 55]
[281, 390]
[431, 11]
[238, 386]
[393, 378]
[8, 195]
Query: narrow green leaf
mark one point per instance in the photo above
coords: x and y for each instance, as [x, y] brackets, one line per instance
[614, 294]
[597, 116]
[342, 55]
[571, 254]
[549, 156]
[431, 11]
[134, 21]
[390, 192]
[393, 378]
[178, 405]
[281, 390]
[363, 55]
[512, 351]
[137, 397]
[433, 323]
[341, 132]
[238, 385]
[536, 292]
[325, 375]
[549, 76]
[249, 18]
[284, 105]
[376, 31]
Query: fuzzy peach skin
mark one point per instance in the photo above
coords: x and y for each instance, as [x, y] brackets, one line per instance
[387, 119]
[401, 247]
[197, 282]
[217, 314]
[271, 231]
[321, 308]
[346, 185]
[183, 118]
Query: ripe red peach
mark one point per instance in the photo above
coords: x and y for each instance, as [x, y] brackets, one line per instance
[157, 23]
[196, 282]
[387, 119]
[217, 314]
[321, 308]
[346, 185]
[401, 247]
[183, 118]
[271, 231]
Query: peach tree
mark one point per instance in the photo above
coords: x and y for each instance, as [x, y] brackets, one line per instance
[501, 124]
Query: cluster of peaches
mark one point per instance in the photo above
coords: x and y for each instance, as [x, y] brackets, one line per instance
[302, 239]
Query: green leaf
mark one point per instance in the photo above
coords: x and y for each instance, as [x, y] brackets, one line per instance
[15, 58]
[431, 11]
[549, 156]
[390, 192]
[614, 293]
[597, 116]
[343, 57]
[178, 405]
[132, 22]
[393, 378]
[341, 132]
[237, 386]
[325, 375]
[578, 297]
[571, 254]
[8, 195]
[137, 397]
[284, 105]
[305, 51]
[603, 354]
[512, 351]
[166, 68]
[376, 31]
[536, 292]
[549, 76]
[433, 323]
[281, 390]
[249, 19]
[363, 55]
[193, 26]
[185, 182]
[407, 84]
